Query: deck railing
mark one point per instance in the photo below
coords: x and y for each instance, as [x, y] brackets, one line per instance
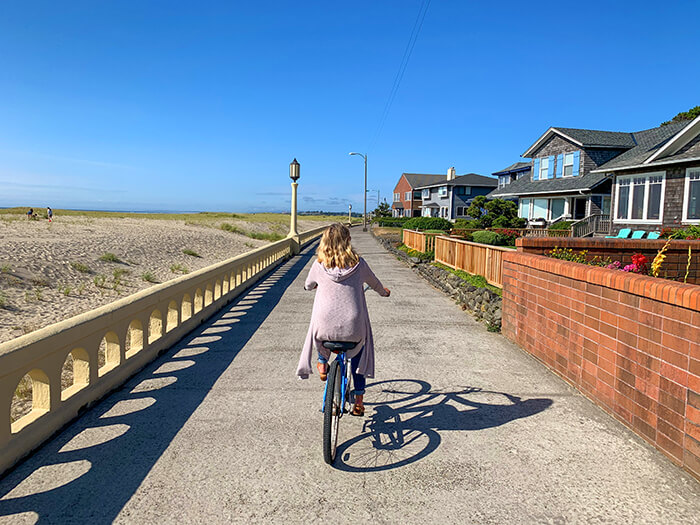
[524, 232]
[597, 223]
[473, 258]
[111, 343]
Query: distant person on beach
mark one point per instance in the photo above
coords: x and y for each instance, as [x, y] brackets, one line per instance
[49, 214]
[30, 213]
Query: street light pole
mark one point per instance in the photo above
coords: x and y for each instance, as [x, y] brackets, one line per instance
[364, 216]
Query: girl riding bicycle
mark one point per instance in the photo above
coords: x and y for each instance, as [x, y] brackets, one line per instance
[340, 310]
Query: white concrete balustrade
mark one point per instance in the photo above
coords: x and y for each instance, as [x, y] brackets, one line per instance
[108, 345]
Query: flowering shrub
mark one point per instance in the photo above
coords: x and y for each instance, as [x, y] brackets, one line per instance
[689, 233]
[638, 265]
[508, 235]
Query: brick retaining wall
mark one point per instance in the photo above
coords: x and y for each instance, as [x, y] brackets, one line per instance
[674, 265]
[631, 343]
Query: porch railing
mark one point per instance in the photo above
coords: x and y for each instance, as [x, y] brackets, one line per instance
[596, 223]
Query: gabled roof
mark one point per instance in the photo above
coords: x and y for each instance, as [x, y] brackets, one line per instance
[513, 168]
[470, 179]
[586, 138]
[676, 142]
[421, 179]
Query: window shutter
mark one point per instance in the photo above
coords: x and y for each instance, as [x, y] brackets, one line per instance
[550, 171]
[577, 161]
[560, 165]
[536, 170]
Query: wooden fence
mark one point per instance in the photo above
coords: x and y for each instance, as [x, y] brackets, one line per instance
[419, 241]
[473, 258]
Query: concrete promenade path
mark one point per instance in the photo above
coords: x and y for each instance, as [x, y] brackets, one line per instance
[461, 427]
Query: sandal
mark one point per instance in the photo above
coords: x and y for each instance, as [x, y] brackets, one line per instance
[358, 410]
[322, 370]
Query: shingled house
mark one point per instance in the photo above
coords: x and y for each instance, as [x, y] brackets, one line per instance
[576, 173]
[407, 200]
[450, 197]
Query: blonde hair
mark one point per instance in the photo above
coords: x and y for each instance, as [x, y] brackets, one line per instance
[335, 250]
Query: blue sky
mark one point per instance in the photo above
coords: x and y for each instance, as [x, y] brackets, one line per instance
[167, 105]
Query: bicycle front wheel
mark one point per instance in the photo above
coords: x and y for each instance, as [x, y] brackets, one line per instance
[331, 412]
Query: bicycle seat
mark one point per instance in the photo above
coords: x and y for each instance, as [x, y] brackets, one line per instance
[339, 346]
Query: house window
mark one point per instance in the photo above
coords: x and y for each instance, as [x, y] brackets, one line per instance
[442, 191]
[640, 197]
[397, 197]
[416, 195]
[568, 164]
[539, 208]
[544, 168]
[407, 196]
[691, 199]
[556, 208]
[461, 211]
[443, 212]
[463, 190]
[503, 180]
[426, 194]
[524, 209]
[407, 213]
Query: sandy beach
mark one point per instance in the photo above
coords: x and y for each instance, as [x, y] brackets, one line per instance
[53, 271]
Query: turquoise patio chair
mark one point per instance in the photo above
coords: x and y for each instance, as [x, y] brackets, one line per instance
[638, 234]
[622, 234]
[653, 235]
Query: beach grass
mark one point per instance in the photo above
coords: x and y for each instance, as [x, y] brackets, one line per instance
[80, 267]
[149, 277]
[212, 219]
[110, 257]
[191, 253]
[179, 268]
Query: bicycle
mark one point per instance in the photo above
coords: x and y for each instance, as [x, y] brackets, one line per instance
[336, 395]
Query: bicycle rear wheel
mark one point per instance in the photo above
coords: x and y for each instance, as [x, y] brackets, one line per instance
[331, 412]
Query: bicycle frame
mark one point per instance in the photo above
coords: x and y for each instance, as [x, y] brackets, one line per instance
[343, 361]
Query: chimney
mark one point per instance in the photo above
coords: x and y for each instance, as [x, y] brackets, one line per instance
[451, 173]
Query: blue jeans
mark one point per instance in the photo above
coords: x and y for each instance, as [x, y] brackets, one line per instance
[358, 380]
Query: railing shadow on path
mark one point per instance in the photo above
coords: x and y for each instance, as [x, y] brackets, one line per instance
[90, 470]
[409, 417]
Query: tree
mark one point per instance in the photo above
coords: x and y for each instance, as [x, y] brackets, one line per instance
[684, 116]
[383, 210]
[496, 213]
[476, 209]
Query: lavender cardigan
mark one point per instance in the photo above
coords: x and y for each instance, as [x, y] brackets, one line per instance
[340, 313]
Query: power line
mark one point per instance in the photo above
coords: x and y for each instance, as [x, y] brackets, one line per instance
[417, 25]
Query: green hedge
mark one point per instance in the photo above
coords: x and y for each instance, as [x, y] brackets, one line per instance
[561, 225]
[486, 237]
[428, 223]
[390, 222]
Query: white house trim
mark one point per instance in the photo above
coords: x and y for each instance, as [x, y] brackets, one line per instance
[682, 138]
[645, 210]
[636, 166]
[686, 197]
[546, 136]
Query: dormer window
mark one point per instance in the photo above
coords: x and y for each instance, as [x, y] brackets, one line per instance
[544, 168]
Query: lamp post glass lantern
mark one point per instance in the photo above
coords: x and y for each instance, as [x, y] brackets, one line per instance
[364, 215]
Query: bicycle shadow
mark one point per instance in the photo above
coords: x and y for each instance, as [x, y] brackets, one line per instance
[406, 424]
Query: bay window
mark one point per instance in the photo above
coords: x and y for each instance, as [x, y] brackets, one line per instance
[640, 197]
[691, 197]
[539, 208]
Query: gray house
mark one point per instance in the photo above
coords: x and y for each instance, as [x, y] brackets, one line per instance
[643, 178]
[450, 197]
[512, 173]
